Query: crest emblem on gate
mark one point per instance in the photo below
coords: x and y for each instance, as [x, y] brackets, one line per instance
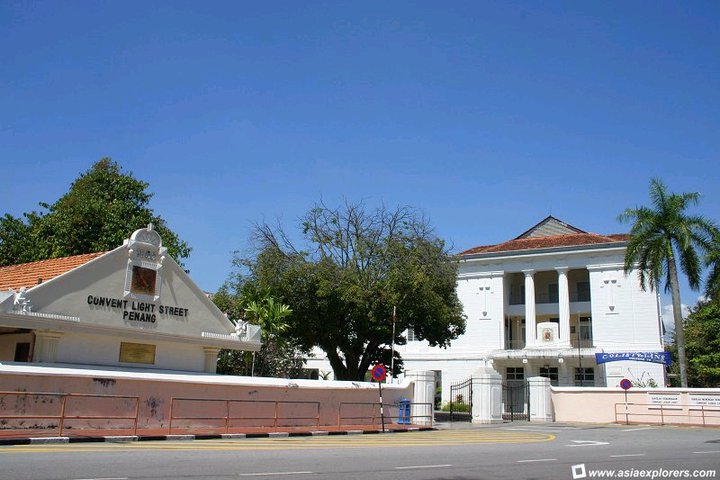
[547, 335]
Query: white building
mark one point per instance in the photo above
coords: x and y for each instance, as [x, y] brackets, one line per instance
[544, 304]
[131, 307]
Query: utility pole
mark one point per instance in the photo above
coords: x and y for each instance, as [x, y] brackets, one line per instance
[392, 357]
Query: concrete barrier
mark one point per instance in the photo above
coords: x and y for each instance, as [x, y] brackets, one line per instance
[664, 406]
[285, 403]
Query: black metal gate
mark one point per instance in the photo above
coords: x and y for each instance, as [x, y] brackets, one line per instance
[461, 401]
[516, 400]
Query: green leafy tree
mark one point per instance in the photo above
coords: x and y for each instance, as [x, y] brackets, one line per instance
[358, 265]
[702, 331]
[102, 208]
[277, 357]
[16, 241]
[661, 237]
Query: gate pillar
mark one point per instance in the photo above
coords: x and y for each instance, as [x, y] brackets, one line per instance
[540, 399]
[423, 401]
[486, 396]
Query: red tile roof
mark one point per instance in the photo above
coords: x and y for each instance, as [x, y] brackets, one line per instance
[569, 240]
[27, 274]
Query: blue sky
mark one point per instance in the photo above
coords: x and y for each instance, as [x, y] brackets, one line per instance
[487, 116]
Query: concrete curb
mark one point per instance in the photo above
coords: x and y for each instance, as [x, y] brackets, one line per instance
[184, 438]
[49, 440]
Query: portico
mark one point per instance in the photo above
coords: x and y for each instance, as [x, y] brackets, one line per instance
[551, 299]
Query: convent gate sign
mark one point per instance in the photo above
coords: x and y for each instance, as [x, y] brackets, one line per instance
[651, 357]
[136, 311]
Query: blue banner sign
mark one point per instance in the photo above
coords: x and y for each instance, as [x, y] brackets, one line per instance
[652, 357]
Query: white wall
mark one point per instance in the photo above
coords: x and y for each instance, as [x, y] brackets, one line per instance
[483, 305]
[624, 316]
[87, 349]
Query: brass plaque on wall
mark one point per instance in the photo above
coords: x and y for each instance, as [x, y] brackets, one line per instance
[137, 353]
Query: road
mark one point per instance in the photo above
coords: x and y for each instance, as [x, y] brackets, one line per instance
[509, 451]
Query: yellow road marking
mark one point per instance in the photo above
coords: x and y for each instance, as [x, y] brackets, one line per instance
[420, 439]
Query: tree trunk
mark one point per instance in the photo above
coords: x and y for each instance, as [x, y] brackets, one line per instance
[339, 368]
[349, 369]
[677, 316]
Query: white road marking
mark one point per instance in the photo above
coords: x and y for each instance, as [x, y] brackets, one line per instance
[587, 443]
[637, 429]
[709, 451]
[535, 429]
[410, 467]
[521, 429]
[538, 460]
[628, 455]
[268, 474]
[104, 478]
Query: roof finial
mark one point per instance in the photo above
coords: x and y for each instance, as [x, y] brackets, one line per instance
[150, 226]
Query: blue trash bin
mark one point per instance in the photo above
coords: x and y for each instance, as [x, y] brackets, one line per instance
[404, 411]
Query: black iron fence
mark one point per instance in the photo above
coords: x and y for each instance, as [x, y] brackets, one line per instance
[516, 400]
[461, 401]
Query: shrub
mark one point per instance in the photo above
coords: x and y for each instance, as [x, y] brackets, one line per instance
[461, 407]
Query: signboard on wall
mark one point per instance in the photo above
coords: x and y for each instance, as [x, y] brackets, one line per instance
[651, 357]
[703, 399]
[664, 398]
[137, 353]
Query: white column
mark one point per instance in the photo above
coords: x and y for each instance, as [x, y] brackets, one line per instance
[486, 396]
[502, 303]
[564, 306]
[211, 354]
[540, 399]
[423, 396]
[529, 308]
[46, 345]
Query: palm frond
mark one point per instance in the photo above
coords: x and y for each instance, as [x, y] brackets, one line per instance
[690, 266]
[658, 194]
[712, 261]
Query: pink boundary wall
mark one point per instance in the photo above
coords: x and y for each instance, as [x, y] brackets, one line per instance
[652, 406]
[154, 391]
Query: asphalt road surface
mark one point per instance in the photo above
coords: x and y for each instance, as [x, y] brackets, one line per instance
[509, 451]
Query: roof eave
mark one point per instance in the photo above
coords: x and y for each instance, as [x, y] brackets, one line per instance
[545, 250]
[54, 280]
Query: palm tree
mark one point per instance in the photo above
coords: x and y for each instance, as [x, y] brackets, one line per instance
[712, 260]
[270, 315]
[662, 236]
[277, 357]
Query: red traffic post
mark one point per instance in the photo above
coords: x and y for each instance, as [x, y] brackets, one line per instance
[626, 384]
[378, 373]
